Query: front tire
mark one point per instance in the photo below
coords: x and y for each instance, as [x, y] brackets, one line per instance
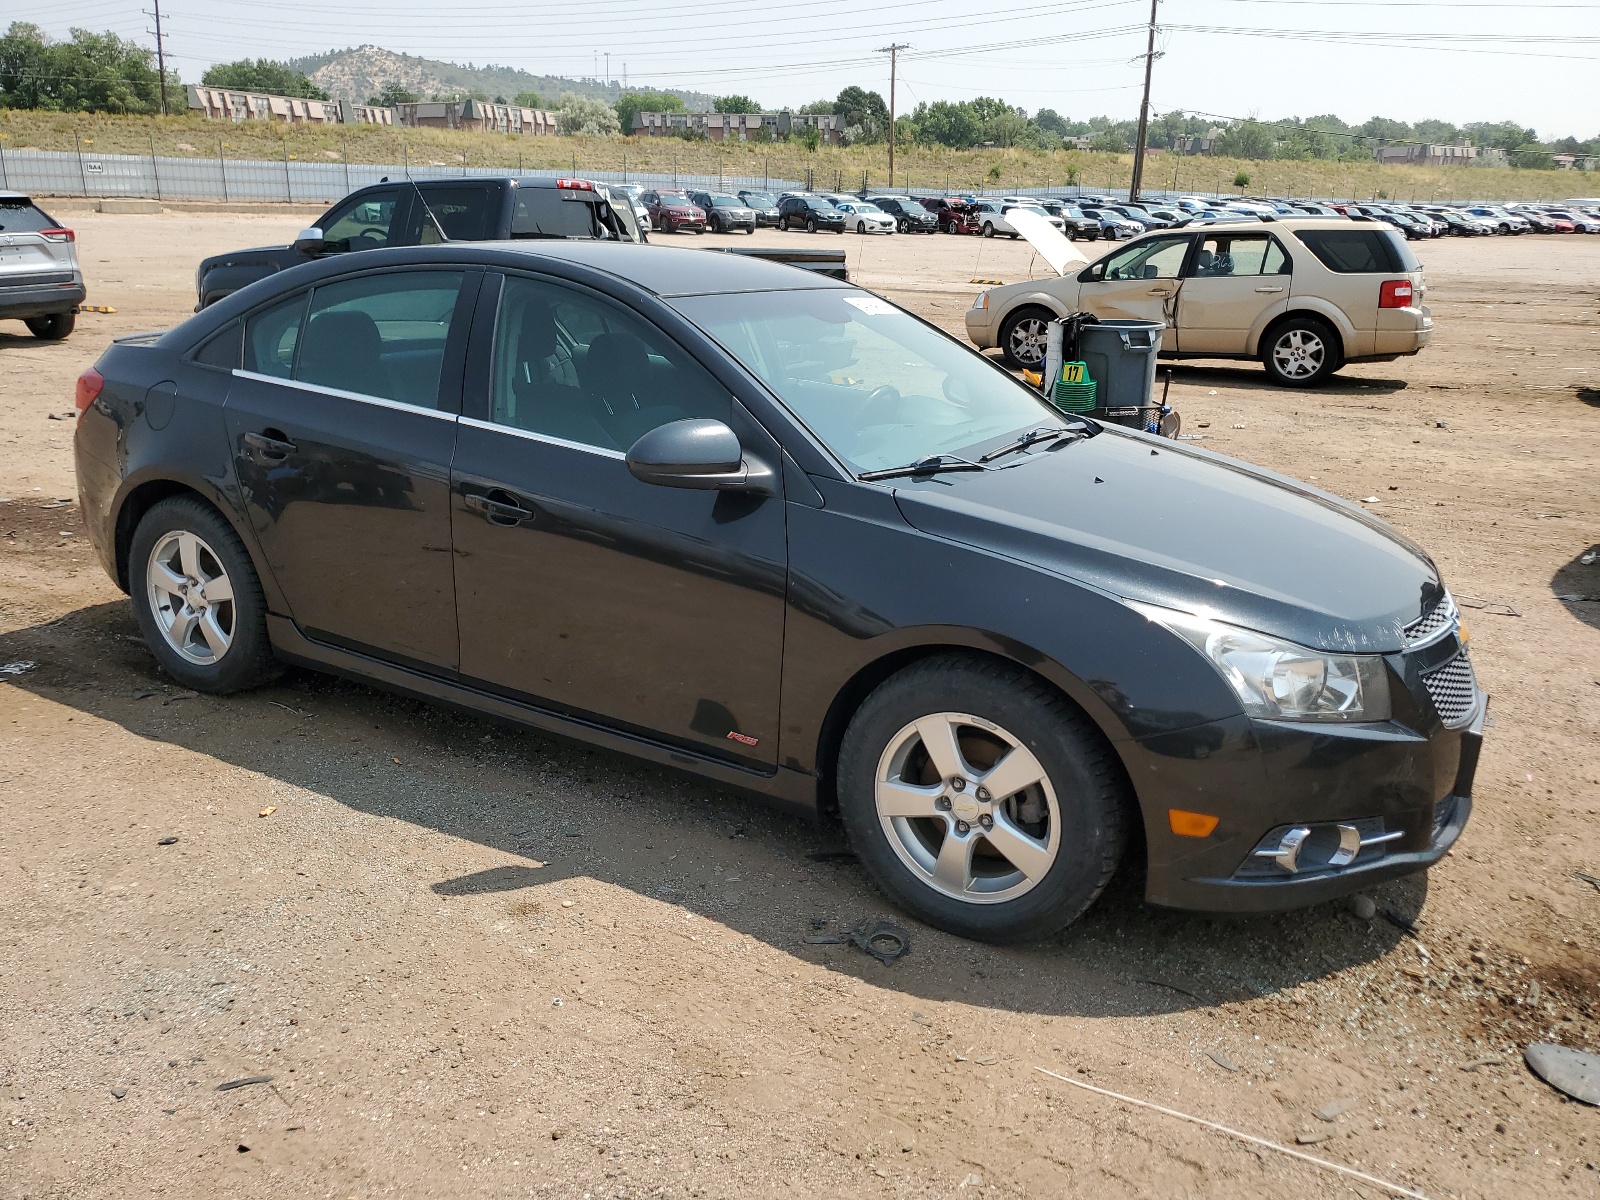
[1301, 352]
[988, 230]
[861, 227]
[1022, 338]
[198, 600]
[53, 327]
[993, 812]
[811, 225]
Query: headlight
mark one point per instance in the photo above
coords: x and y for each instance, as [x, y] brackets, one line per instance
[982, 301]
[1279, 680]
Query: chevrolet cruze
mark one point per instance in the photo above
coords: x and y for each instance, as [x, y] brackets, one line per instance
[771, 529]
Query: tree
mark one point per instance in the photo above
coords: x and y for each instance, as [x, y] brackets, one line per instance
[1053, 122]
[947, 124]
[816, 108]
[864, 112]
[391, 95]
[1108, 141]
[263, 75]
[1506, 135]
[527, 100]
[581, 116]
[810, 137]
[1530, 156]
[90, 72]
[1241, 180]
[735, 104]
[631, 104]
[1246, 139]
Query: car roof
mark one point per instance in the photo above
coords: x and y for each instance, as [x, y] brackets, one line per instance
[5, 195]
[663, 270]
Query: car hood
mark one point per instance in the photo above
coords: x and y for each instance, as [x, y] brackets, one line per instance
[1150, 520]
[252, 256]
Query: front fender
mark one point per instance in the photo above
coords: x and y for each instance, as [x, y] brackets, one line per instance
[228, 278]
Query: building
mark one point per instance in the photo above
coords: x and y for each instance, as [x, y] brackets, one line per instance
[227, 104]
[1196, 143]
[739, 127]
[1422, 154]
[1577, 162]
[480, 115]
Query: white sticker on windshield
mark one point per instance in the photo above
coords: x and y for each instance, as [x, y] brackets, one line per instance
[871, 305]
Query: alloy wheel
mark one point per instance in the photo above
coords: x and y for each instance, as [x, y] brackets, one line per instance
[1299, 354]
[191, 597]
[1027, 341]
[967, 808]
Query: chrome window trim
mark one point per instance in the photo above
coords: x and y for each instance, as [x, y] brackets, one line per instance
[317, 388]
[546, 438]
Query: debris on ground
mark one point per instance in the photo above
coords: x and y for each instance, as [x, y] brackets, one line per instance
[833, 856]
[1334, 1109]
[1222, 1060]
[168, 841]
[1574, 1072]
[181, 696]
[1363, 906]
[1400, 921]
[1490, 1061]
[885, 941]
[117, 1093]
[268, 810]
[1585, 877]
[1311, 1139]
[17, 668]
[247, 1081]
[1495, 608]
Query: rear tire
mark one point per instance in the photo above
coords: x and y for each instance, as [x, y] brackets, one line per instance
[1016, 865]
[1301, 352]
[211, 637]
[53, 327]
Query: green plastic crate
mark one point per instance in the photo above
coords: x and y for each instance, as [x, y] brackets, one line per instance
[1077, 396]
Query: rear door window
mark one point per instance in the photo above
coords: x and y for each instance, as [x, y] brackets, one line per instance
[272, 336]
[1360, 251]
[381, 335]
[557, 212]
[1239, 254]
[466, 214]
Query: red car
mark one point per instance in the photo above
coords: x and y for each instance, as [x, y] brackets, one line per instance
[673, 212]
[955, 214]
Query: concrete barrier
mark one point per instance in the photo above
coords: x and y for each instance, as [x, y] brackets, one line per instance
[127, 206]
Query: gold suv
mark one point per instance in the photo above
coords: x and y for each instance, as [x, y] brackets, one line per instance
[1302, 296]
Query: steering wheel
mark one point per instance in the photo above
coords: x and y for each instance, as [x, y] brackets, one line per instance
[880, 404]
[369, 239]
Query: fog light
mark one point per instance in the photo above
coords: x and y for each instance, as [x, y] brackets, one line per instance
[1317, 847]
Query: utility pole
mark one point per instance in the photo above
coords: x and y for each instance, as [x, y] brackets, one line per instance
[893, 51]
[1144, 110]
[608, 68]
[161, 54]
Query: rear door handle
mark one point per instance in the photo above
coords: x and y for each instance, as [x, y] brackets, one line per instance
[1269, 291]
[495, 511]
[269, 449]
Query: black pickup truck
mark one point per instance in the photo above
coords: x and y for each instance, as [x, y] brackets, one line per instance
[407, 213]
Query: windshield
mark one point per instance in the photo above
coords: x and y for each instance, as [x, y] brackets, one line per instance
[727, 202]
[866, 208]
[875, 384]
[759, 200]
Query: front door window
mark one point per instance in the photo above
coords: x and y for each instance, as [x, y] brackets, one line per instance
[363, 225]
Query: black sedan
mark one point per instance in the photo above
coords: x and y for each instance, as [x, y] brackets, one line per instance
[764, 204]
[771, 529]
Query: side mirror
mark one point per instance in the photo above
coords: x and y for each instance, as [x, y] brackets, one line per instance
[702, 454]
[309, 241]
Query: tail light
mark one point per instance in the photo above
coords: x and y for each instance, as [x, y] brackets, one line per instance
[1395, 293]
[89, 385]
[58, 235]
[577, 185]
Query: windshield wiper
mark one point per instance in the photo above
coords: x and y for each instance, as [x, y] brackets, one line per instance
[933, 464]
[1032, 438]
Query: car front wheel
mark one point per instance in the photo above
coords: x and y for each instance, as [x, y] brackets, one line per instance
[988, 230]
[811, 225]
[993, 812]
[197, 598]
[783, 224]
[1022, 338]
[1301, 352]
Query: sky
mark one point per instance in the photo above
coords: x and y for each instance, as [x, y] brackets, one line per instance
[1473, 60]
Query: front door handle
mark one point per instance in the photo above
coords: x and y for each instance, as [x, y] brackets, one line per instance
[268, 449]
[1269, 291]
[497, 511]
[1162, 292]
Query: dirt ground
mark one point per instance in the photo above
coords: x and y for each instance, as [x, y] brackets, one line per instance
[478, 961]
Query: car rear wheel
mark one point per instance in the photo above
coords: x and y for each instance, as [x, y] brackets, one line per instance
[197, 598]
[980, 799]
[53, 327]
[1301, 352]
[1022, 338]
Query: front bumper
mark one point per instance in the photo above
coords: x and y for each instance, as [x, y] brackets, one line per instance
[42, 299]
[981, 327]
[1261, 775]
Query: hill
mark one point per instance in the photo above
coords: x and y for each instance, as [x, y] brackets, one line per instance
[362, 71]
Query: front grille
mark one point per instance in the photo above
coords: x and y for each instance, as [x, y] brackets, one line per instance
[1433, 624]
[1453, 691]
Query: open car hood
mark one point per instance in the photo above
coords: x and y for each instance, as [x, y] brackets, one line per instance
[1044, 237]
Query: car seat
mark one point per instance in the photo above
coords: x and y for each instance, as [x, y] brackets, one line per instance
[539, 401]
[344, 350]
[621, 387]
